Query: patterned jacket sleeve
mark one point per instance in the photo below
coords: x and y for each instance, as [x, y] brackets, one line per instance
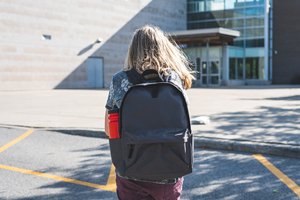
[118, 87]
[110, 100]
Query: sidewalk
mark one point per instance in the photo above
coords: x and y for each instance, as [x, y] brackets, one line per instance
[254, 119]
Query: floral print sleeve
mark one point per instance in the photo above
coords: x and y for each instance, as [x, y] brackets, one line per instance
[118, 87]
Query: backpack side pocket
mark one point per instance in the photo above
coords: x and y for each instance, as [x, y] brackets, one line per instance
[115, 146]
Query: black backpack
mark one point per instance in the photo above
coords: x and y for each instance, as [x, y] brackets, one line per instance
[155, 141]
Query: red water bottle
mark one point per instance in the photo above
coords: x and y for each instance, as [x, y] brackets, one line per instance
[113, 124]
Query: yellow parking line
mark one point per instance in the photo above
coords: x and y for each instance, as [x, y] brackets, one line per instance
[109, 186]
[16, 140]
[111, 181]
[286, 180]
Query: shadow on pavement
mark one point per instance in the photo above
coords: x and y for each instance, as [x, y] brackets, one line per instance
[236, 176]
[90, 170]
[87, 133]
[267, 124]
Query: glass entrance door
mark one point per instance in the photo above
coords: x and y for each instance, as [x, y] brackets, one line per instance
[211, 73]
[196, 67]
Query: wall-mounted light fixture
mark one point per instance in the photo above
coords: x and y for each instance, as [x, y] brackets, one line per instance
[46, 37]
[98, 40]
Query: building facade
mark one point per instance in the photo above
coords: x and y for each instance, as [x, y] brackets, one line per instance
[81, 44]
[74, 44]
[245, 60]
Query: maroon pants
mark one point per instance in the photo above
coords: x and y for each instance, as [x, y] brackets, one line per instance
[138, 190]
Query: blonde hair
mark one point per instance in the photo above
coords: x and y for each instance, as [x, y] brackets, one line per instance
[151, 48]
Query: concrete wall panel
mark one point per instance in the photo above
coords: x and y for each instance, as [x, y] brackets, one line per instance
[30, 63]
[286, 40]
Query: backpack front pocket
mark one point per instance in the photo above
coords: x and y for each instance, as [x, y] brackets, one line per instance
[164, 155]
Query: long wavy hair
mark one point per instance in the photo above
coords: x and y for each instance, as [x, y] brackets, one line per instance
[151, 48]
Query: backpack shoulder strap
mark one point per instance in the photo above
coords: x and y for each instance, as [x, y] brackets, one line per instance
[134, 77]
[137, 78]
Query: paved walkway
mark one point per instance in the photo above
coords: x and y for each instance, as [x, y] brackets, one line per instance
[254, 119]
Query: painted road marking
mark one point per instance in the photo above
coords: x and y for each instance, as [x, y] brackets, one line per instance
[16, 140]
[110, 186]
[286, 180]
[111, 181]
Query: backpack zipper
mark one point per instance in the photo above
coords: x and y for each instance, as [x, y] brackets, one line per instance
[131, 151]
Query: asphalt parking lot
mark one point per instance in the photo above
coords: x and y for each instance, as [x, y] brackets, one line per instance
[43, 164]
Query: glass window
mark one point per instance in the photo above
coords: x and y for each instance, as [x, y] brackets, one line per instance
[204, 69]
[204, 80]
[198, 68]
[255, 21]
[240, 53]
[255, 32]
[254, 2]
[234, 13]
[214, 5]
[213, 15]
[255, 52]
[205, 15]
[196, 6]
[232, 71]
[255, 11]
[201, 25]
[214, 67]
[214, 24]
[238, 43]
[232, 52]
[255, 68]
[195, 16]
[231, 4]
[195, 26]
[217, 14]
[234, 23]
[214, 80]
[209, 5]
[240, 65]
[255, 43]
[191, 16]
[235, 68]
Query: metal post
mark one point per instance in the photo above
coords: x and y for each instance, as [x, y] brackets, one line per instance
[207, 63]
[224, 69]
[266, 40]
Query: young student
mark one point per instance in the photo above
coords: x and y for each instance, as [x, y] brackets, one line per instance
[150, 48]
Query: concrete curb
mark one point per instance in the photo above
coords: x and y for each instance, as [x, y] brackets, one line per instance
[218, 144]
[210, 143]
[249, 147]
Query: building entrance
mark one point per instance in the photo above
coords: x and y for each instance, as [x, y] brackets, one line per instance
[210, 75]
[207, 76]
